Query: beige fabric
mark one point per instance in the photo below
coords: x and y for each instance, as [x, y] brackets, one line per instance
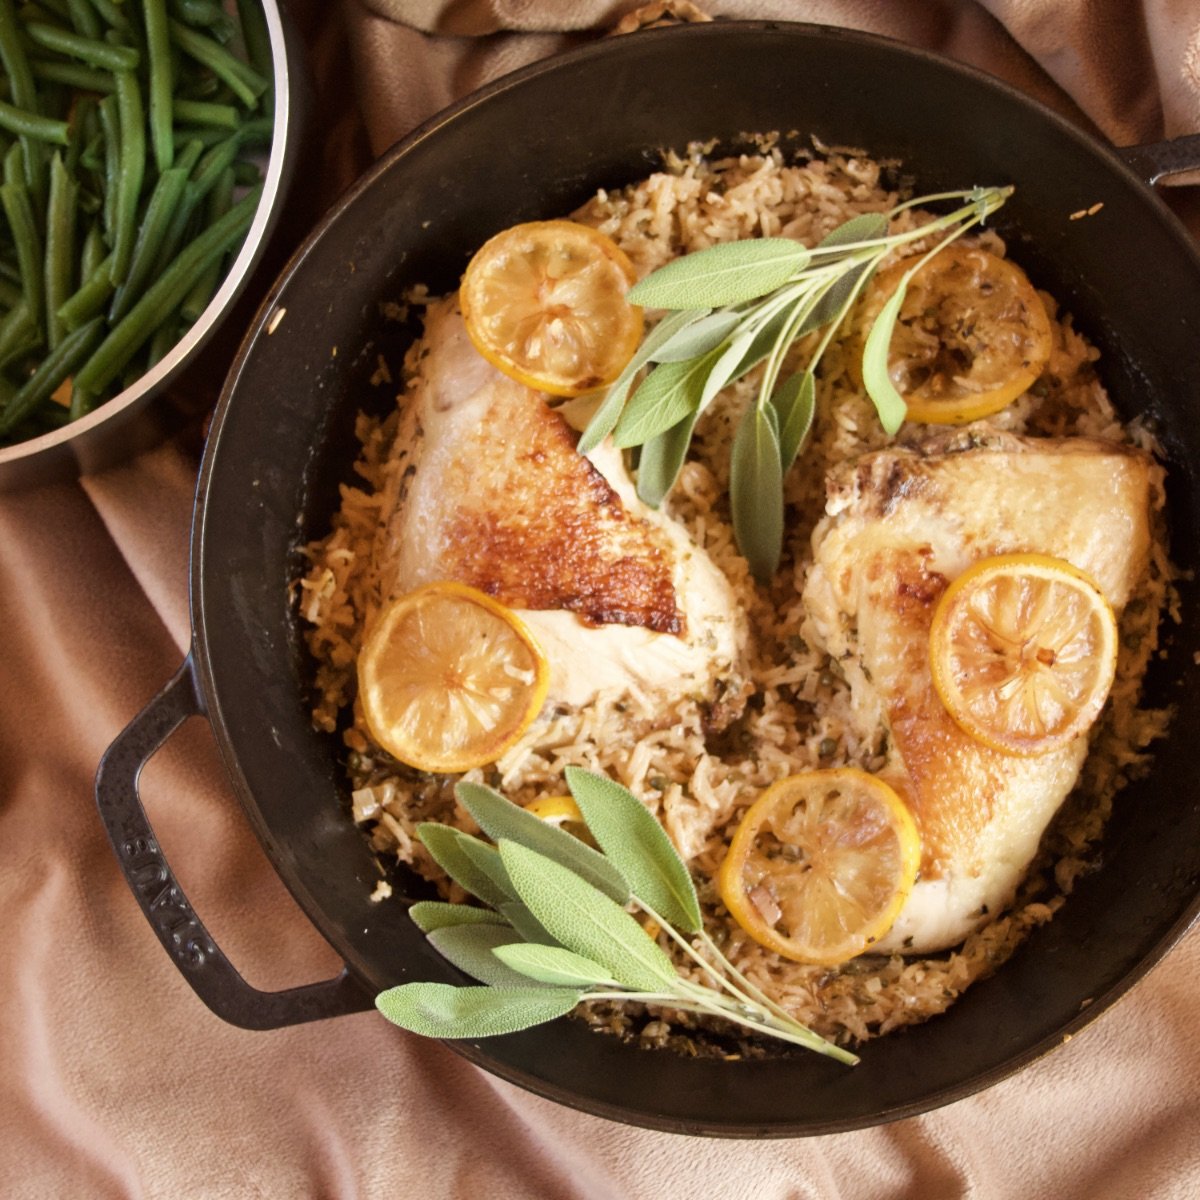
[116, 1082]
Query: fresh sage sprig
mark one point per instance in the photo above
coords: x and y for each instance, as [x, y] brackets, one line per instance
[559, 929]
[737, 305]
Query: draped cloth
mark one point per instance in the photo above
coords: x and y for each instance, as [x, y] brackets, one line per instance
[115, 1081]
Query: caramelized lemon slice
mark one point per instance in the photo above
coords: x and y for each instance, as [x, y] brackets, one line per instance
[555, 810]
[449, 679]
[972, 335]
[1023, 649]
[563, 812]
[545, 303]
[821, 865]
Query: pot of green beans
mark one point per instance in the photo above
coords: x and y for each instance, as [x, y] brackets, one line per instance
[146, 147]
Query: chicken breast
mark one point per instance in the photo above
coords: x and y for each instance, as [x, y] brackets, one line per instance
[900, 526]
[489, 490]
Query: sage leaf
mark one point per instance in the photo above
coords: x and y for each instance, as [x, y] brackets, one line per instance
[469, 948]
[441, 1010]
[761, 342]
[838, 297]
[697, 337]
[587, 921]
[835, 298]
[454, 851]
[729, 365]
[727, 273]
[662, 399]
[554, 965]
[661, 460]
[499, 818]
[756, 491]
[794, 402]
[526, 924]
[889, 404]
[429, 915]
[604, 419]
[626, 831]
[866, 227]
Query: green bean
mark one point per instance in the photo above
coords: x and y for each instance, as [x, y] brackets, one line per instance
[82, 402]
[257, 131]
[208, 171]
[206, 135]
[7, 391]
[246, 82]
[94, 252]
[14, 164]
[220, 201]
[60, 247]
[164, 200]
[133, 169]
[58, 8]
[27, 124]
[246, 173]
[165, 336]
[110, 123]
[89, 50]
[83, 17]
[197, 112]
[9, 270]
[18, 333]
[74, 75]
[91, 297]
[166, 293]
[207, 14]
[53, 369]
[256, 36]
[187, 160]
[9, 294]
[84, 105]
[24, 96]
[16, 65]
[112, 14]
[91, 158]
[158, 44]
[19, 210]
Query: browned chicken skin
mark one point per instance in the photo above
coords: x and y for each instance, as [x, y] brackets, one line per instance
[490, 491]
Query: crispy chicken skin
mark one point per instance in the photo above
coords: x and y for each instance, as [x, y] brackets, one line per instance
[489, 491]
[900, 525]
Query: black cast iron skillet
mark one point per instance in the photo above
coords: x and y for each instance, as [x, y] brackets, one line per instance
[533, 145]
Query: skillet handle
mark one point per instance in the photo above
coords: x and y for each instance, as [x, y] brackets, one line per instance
[1154, 161]
[201, 962]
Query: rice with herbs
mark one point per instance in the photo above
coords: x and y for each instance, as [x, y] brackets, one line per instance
[799, 717]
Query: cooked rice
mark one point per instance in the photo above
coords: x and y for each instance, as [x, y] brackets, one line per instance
[800, 717]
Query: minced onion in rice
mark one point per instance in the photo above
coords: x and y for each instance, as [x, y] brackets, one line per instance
[799, 717]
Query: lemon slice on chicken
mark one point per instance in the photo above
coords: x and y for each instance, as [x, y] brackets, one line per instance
[1023, 651]
[821, 865]
[972, 335]
[545, 303]
[449, 679]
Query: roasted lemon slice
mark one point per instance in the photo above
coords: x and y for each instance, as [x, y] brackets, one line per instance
[545, 303]
[449, 679]
[821, 865]
[563, 812]
[556, 810]
[1023, 649]
[972, 335]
